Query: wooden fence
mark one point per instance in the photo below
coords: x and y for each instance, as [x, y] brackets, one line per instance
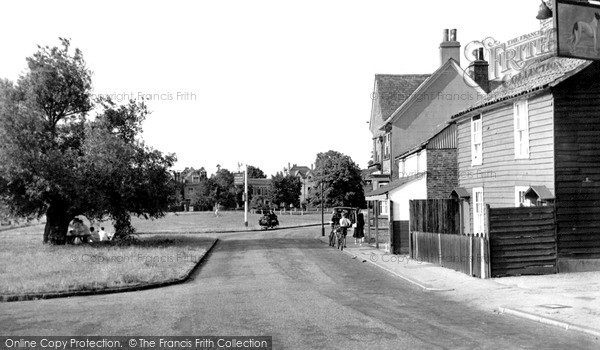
[466, 254]
[435, 215]
[435, 238]
[522, 241]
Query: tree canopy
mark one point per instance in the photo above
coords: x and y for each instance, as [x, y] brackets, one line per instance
[255, 173]
[285, 189]
[341, 179]
[57, 159]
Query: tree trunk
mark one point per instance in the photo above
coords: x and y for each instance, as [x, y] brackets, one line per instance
[122, 224]
[57, 225]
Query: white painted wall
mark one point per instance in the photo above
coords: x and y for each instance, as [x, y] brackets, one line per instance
[413, 164]
[416, 189]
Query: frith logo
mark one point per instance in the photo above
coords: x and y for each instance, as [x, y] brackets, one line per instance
[509, 58]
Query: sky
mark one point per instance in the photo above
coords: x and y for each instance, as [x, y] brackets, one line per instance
[264, 83]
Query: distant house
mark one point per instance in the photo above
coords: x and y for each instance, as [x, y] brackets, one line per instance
[535, 141]
[260, 194]
[191, 184]
[389, 93]
[306, 176]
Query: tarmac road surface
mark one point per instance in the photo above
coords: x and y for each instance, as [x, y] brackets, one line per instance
[306, 295]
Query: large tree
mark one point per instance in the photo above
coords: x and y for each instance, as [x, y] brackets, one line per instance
[255, 173]
[57, 160]
[285, 190]
[341, 180]
[222, 189]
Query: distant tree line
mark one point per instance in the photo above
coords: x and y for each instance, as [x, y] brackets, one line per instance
[220, 189]
[338, 175]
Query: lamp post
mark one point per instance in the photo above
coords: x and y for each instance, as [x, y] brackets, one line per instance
[322, 213]
[246, 196]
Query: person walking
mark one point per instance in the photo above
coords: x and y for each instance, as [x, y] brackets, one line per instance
[359, 230]
[335, 223]
[345, 223]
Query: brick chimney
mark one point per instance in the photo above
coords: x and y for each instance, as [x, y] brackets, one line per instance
[450, 47]
[480, 71]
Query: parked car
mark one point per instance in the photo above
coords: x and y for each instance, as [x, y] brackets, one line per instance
[352, 213]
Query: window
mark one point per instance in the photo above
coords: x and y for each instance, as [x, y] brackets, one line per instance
[402, 168]
[520, 200]
[478, 210]
[386, 146]
[521, 112]
[375, 153]
[383, 208]
[476, 141]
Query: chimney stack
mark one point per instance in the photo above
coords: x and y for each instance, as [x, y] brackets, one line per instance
[450, 47]
[480, 71]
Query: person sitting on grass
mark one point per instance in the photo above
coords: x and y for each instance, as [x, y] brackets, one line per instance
[74, 234]
[83, 232]
[94, 235]
[102, 234]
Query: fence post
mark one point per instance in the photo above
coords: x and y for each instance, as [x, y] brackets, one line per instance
[488, 261]
[485, 248]
[376, 210]
[555, 238]
[410, 229]
[416, 241]
[470, 255]
[391, 226]
[486, 220]
[440, 248]
[484, 272]
[369, 222]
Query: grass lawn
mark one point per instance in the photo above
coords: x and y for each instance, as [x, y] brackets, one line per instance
[207, 222]
[165, 253]
[29, 266]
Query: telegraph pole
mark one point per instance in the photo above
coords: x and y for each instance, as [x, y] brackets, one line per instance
[322, 213]
[246, 195]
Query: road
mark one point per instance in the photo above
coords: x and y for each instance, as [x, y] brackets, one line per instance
[289, 285]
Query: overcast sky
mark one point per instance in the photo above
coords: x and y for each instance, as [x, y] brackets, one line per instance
[260, 82]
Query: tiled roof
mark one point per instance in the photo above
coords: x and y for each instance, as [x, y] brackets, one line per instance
[303, 170]
[539, 75]
[259, 182]
[418, 94]
[393, 90]
[395, 184]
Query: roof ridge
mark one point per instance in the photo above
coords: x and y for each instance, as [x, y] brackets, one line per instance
[529, 80]
[402, 75]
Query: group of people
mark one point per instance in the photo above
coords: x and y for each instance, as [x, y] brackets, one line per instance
[269, 219]
[85, 234]
[344, 223]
